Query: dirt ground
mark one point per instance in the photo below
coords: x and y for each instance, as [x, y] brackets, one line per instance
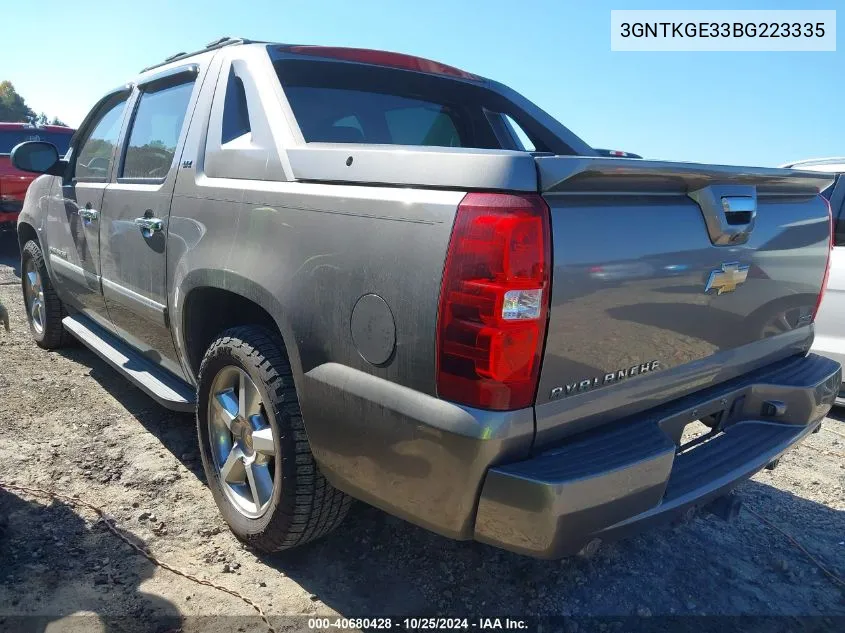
[70, 424]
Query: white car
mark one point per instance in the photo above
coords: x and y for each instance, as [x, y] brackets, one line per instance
[830, 320]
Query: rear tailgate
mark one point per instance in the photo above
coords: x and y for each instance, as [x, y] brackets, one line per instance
[671, 277]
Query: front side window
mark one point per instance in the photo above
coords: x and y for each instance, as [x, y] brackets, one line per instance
[155, 132]
[94, 158]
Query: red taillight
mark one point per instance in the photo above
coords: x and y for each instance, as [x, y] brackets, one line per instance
[382, 58]
[494, 301]
[827, 264]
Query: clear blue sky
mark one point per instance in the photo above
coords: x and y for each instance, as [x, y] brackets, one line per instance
[735, 108]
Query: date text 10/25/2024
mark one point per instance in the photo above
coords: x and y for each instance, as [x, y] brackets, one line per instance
[419, 624]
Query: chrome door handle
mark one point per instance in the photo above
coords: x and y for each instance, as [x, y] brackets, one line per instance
[89, 214]
[150, 225]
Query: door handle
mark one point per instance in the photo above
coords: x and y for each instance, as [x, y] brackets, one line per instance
[149, 225]
[89, 214]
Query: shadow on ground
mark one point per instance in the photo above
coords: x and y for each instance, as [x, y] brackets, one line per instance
[176, 431]
[9, 253]
[413, 572]
[377, 564]
[71, 562]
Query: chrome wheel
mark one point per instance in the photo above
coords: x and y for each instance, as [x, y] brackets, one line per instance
[34, 293]
[243, 446]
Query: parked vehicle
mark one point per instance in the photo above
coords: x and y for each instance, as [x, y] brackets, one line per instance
[353, 269]
[830, 332]
[13, 182]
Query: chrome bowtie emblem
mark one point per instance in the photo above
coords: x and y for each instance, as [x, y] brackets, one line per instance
[726, 278]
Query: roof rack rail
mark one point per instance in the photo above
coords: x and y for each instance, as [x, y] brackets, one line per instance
[218, 43]
[818, 161]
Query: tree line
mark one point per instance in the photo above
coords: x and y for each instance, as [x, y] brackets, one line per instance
[13, 108]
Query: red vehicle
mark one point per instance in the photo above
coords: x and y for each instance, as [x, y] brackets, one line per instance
[13, 182]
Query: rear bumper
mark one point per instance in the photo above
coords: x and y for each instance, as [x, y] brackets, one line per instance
[831, 347]
[628, 475]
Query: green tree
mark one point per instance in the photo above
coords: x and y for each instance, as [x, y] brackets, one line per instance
[12, 106]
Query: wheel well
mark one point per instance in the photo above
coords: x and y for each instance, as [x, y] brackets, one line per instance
[25, 233]
[209, 311]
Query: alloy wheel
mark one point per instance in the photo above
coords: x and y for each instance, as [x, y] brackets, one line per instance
[34, 294]
[243, 446]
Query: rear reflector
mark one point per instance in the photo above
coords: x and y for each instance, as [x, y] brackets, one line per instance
[494, 301]
[382, 58]
[827, 265]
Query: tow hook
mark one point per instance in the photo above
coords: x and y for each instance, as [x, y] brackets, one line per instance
[726, 508]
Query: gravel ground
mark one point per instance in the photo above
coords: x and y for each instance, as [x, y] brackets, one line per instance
[70, 424]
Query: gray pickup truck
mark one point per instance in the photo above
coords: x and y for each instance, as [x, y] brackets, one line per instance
[376, 276]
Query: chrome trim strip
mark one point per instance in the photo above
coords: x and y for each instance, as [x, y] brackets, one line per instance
[138, 303]
[76, 274]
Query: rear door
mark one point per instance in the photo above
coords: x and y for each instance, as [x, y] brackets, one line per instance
[73, 216]
[135, 214]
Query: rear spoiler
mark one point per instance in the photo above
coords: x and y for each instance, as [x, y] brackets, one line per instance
[584, 174]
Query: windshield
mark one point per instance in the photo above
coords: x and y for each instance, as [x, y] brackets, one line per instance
[10, 138]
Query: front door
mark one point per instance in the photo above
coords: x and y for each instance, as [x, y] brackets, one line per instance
[135, 214]
[74, 212]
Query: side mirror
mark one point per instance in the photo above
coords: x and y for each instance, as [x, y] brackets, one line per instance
[38, 157]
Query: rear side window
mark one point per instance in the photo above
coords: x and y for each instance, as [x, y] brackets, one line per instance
[519, 135]
[827, 193]
[155, 132]
[235, 110]
[338, 102]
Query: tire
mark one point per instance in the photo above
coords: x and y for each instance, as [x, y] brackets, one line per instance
[303, 506]
[44, 309]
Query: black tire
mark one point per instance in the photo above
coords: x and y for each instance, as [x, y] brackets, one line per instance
[305, 506]
[53, 334]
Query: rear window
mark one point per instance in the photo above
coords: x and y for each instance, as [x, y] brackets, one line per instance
[10, 138]
[337, 102]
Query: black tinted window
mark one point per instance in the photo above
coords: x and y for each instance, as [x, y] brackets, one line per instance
[95, 154]
[359, 103]
[10, 138]
[828, 192]
[155, 132]
[333, 115]
[235, 111]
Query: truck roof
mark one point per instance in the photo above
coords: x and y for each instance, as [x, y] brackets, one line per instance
[361, 55]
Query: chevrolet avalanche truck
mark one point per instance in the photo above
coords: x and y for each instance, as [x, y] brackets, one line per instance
[13, 182]
[349, 265]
